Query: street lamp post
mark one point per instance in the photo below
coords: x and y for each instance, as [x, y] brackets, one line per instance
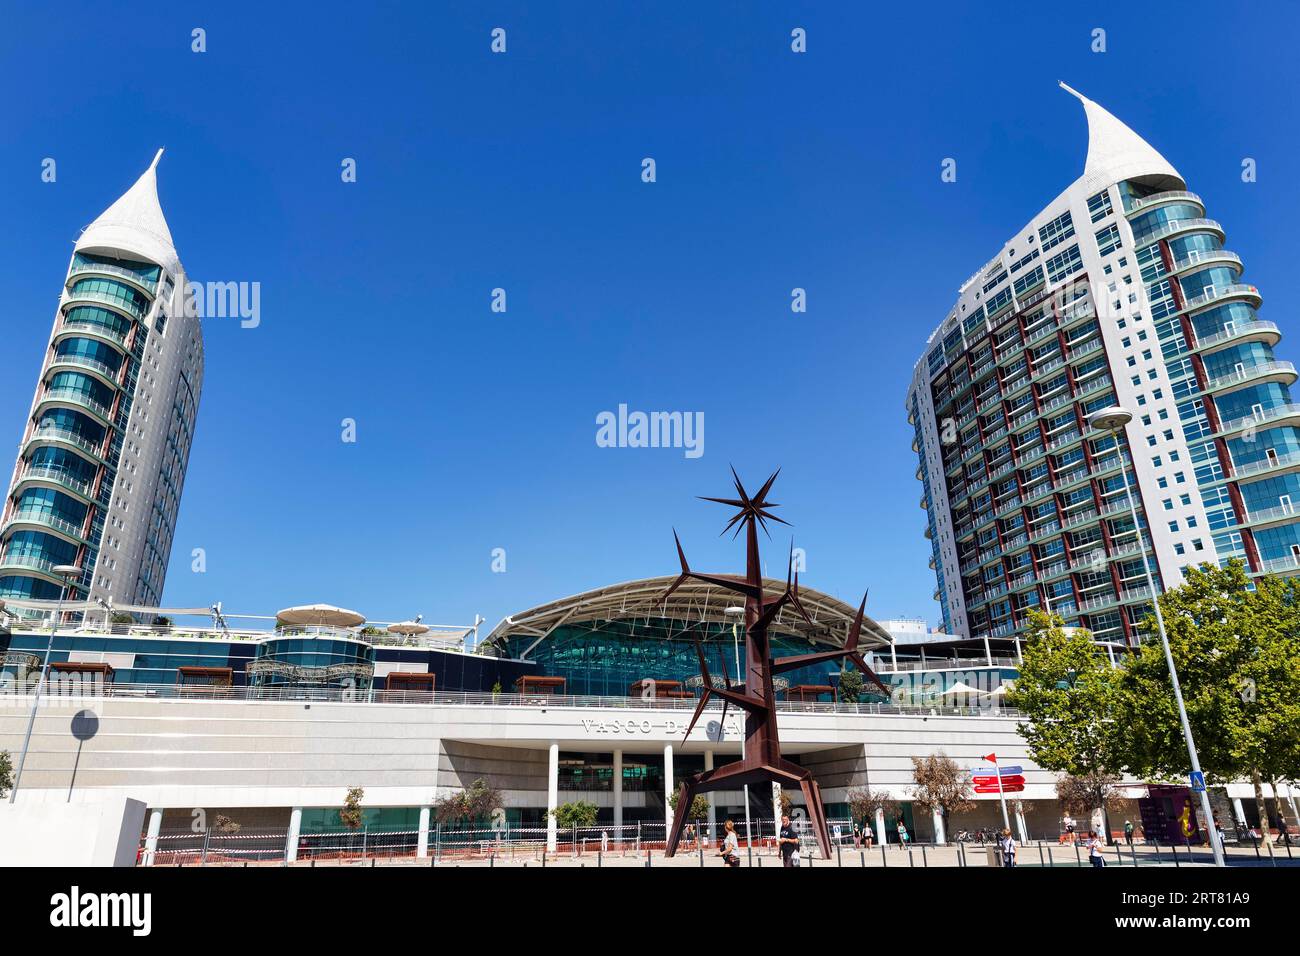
[1113, 420]
[68, 572]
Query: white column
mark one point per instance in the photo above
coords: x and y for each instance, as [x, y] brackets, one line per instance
[151, 838]
[880, 827]
[939, 835]
[618, 794]
[1239, 811]
[422, 840]
[1022, 826]
[291, 838]
[776, 809]
[552, 795]
[713, 810]
[668, 783]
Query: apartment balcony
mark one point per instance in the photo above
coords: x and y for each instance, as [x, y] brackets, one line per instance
[1213, 295]
[1171, 229]
[1239, 334]
[925, 503]
[1268, 517]
[92, 330]
[38, 520]
[58, 478]
[1279, 565]
[61, 436]
[116, 272]
[1270, 466]
[1283, 373]
[1162, 199]
[95, 297]
[28, 565]
[1087, 348]
[102, 371]
[71, 398]
[1288, 414]
[1198, 258]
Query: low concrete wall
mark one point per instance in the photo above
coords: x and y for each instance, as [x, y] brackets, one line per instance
[105, 832]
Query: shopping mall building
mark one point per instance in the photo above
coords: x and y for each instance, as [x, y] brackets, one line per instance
[583, 699]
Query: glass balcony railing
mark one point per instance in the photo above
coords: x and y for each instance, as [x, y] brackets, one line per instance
[79, 398]
[106, 269]
[1258, 330]
[1181, 225]
[65, 436]
[58, 476]
[47, 520]
[1213, 294]
[1158, 199]
[1265, 418]
[1276, 371]
[105, 298]
[1199, 257]
[94, 328]
[84, 361]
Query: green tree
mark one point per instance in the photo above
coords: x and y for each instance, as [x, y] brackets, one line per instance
[6, 774]
[851, 684]
[699, 810]
[941, 785]
[352, 816]
[574, 816]
[1237, 651]
[1067, 690]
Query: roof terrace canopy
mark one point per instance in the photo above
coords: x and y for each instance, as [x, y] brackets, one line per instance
[694, 601]
[321, 615]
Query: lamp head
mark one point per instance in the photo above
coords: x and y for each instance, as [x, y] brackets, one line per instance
[1110, 419]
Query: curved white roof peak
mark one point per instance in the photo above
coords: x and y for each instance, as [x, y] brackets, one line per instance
[1115, 152]
[135, 223]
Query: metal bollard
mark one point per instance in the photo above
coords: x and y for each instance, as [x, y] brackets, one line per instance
[1077, 860]
[863, 854]
[839, 856]
[1041, 861]
[925, 862]
[884, 860]
[700, 846]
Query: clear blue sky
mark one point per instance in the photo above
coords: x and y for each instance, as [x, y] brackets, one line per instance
[477, 430]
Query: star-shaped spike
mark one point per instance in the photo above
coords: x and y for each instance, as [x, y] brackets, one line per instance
[754, 510]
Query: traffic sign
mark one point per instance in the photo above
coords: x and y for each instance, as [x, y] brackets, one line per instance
[1015, 780]
[1198, 781]
[993, 788]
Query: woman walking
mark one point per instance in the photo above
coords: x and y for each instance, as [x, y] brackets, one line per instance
[730, 851]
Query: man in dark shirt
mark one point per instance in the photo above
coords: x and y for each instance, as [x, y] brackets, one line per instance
[787, 840]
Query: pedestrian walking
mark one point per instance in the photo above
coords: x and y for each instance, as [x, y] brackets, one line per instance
[1095, 856]
[787, 842]
[730, 850]
[902, 834]
[1128, 832]
[1007, 846]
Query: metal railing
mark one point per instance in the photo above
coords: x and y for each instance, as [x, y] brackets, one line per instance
[351, 695]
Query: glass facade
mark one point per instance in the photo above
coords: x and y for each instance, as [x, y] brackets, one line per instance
[604, 659]
[1036, 505]
[72, 446]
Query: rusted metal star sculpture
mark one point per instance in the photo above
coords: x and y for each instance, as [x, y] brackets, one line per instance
[754, 694]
